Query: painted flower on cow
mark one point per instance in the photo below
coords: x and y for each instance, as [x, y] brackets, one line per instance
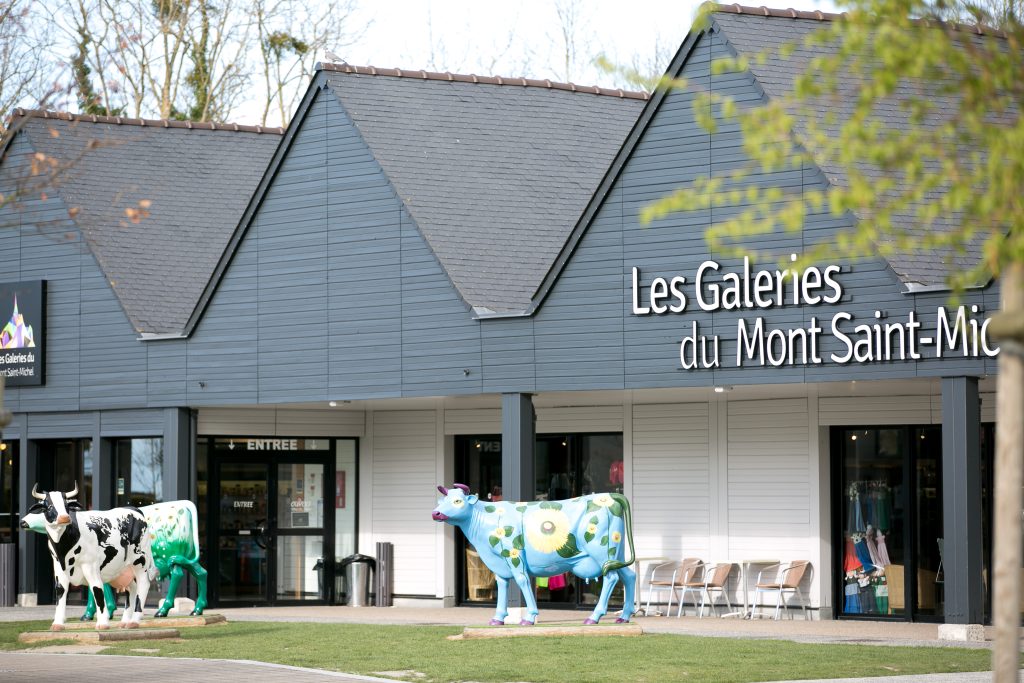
[547, 530]
[592, 529]
[604, 500]
[616, 537]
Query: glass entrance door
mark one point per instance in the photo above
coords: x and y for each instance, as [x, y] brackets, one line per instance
[270, 529]
[244, 533]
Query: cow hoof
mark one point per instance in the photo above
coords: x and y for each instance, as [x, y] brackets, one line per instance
[195, 613]
[102, 627]
[588, 621]
[131, 624]
[160, 613]
[524, 622]
[495, 622]
[620, 620]
[56, 627]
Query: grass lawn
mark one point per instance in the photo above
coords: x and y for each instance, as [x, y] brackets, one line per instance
[656, 658]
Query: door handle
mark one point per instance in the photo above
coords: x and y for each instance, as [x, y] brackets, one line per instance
[261, 530]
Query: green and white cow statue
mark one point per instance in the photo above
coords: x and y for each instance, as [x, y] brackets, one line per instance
[174, 532]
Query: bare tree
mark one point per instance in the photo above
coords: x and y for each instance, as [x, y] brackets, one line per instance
[217, 46]
[643, 71]
[571, 36]
[291, 35]
[25, 46]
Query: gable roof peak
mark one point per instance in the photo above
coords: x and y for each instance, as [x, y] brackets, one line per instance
[519, 81]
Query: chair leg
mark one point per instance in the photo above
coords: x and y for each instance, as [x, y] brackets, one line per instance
[778, 605]
[705, 596]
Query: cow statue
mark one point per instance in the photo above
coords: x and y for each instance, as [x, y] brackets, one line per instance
[586, 536]
[174, 533]
[93, 548]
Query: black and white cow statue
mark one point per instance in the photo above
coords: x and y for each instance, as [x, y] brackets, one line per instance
[90, 548]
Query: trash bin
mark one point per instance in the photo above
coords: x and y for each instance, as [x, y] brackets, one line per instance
[356, 569]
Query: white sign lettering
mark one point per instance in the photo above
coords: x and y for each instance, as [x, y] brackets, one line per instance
[272, 444]
[962, 332]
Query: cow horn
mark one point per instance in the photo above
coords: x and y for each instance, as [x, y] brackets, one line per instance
[443, 490]
[70, 495]
[36, 494]
[465, 489]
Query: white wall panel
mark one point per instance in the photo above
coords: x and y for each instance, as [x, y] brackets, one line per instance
[579, 419]
[476, 421]
[403, 494]
[880, 410]
[671, 480]
[769, 486]
[280, 422]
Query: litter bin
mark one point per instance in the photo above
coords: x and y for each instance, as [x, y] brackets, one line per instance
[356, 569]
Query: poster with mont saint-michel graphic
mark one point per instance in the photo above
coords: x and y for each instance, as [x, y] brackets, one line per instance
[23, 332]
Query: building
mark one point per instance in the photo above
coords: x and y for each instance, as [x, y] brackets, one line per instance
[431, 278]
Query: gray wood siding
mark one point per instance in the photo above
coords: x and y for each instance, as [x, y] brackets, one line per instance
[334, 293]
[93, 358]
[585, 334]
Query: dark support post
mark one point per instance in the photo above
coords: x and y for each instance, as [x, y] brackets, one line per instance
[177, 454]
[104, 495]
[961, 507]
[517, 444]
[30, 543]
[517, 440]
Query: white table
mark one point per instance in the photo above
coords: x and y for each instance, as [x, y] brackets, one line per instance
[638, 596]
[745, 566]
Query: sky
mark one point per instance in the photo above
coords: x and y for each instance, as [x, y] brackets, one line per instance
[520, 37]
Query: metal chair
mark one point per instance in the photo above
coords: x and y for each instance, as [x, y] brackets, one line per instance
[692, 581]
[785, 577]
[716, 576]
[665, 577]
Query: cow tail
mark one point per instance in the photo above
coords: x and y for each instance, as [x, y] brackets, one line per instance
[627, 516]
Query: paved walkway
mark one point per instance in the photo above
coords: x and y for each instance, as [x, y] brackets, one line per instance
[69, 663]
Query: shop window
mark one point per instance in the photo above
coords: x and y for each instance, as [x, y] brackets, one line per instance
[873, 569]
[891, 520]
[565, 466]
[138, 471]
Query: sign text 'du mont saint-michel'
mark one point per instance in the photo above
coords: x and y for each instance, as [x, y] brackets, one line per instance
[953, 333]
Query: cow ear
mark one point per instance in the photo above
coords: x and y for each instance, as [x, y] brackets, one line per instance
[472, 498]
[74, 505]
[38, 507]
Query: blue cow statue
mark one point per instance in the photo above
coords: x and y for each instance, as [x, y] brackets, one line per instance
[586, 536]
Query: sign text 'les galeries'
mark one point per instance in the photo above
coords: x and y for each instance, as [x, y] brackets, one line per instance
[955, 333]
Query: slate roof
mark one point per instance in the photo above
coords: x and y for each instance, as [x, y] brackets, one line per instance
[757, 30]
[495, 172]
[199, 179]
